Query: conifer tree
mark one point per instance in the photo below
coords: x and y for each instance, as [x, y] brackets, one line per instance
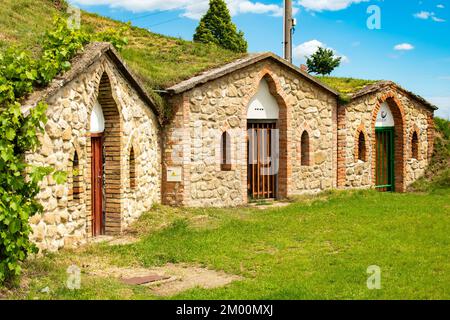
[216, 27]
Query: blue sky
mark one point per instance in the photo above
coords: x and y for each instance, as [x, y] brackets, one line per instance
[412, 47]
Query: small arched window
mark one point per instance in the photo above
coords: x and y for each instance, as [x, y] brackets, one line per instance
[361, 147]
[415, 146]
[225, 152]
[132, 169]
[305, 149]
[76, 178]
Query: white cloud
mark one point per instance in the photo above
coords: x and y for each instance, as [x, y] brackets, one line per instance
[440, 6]
[257, 7]
[444, 78]
[436, 19]
[404, 47]
[191, 9]
[443, 103]
[310, 47]
[331, 5]
[425, 15]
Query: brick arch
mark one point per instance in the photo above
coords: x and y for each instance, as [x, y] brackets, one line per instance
[112, 142]
[415, 129]
[104, 77]
[234, 134]
[277, 92]
[76, 185]
[305, 149]
[132, 145]
[359, 130]
[400, 136]
[304, 127]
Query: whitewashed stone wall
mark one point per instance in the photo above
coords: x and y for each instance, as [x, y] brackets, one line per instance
[221, 105]
[359, 113]
[66, 222]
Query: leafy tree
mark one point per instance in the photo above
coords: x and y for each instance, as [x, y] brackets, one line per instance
[323, 61]
[216, 27]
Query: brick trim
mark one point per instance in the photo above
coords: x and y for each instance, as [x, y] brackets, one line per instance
[275, 89]
[400, 136]
[113, 151]
[341, 146]
[76, 204]
[413, 130]
[359, 130]
[430, 135]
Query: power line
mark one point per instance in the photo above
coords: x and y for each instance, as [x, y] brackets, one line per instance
[149, 15]
[164, 22]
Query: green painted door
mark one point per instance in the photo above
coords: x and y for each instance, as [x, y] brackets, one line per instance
[385, 159]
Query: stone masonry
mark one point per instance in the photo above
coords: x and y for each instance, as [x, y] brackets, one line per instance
[204, 112]
[139, 152]
[130, 125]
[359, 116]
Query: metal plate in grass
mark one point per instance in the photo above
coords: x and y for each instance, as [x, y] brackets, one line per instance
[144, 280]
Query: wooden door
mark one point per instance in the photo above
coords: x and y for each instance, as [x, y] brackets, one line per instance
[261, 176]
[385, 159]
[97, 185]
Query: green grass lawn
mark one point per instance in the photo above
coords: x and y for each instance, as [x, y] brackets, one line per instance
[316, 248]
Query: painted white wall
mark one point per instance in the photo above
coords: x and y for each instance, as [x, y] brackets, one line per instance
[263, 105]
[384, 117]
[97, 119]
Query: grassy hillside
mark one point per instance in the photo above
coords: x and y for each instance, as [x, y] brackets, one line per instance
[24, 22]
[346, 86]
[437, 175]
[158, 60]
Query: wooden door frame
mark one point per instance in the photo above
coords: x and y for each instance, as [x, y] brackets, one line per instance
[391, 154]
[96, 200]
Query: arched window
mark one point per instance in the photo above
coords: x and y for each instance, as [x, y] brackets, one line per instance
[361, 147]
[225, 152]
[76, 178]
[415, 146]
[304, 149]
[132, 170]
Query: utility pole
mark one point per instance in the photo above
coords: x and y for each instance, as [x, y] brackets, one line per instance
[288, 26]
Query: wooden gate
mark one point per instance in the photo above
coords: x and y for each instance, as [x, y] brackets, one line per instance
[261, 172]
[385, 159]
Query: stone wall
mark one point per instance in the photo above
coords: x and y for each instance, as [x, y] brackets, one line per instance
[359, 116]
[202, 114]
[66, 220]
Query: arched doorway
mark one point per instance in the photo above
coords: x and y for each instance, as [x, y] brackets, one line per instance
[97, 126]
[388, 147]
[106, 189]
[263, 144]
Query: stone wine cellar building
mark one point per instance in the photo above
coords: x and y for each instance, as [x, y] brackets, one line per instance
[256, 128]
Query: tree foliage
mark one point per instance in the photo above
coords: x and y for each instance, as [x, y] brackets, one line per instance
[216, 27]
[19, 134]
[323, 61]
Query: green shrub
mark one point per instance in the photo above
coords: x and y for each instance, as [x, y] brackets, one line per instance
[19, 182]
